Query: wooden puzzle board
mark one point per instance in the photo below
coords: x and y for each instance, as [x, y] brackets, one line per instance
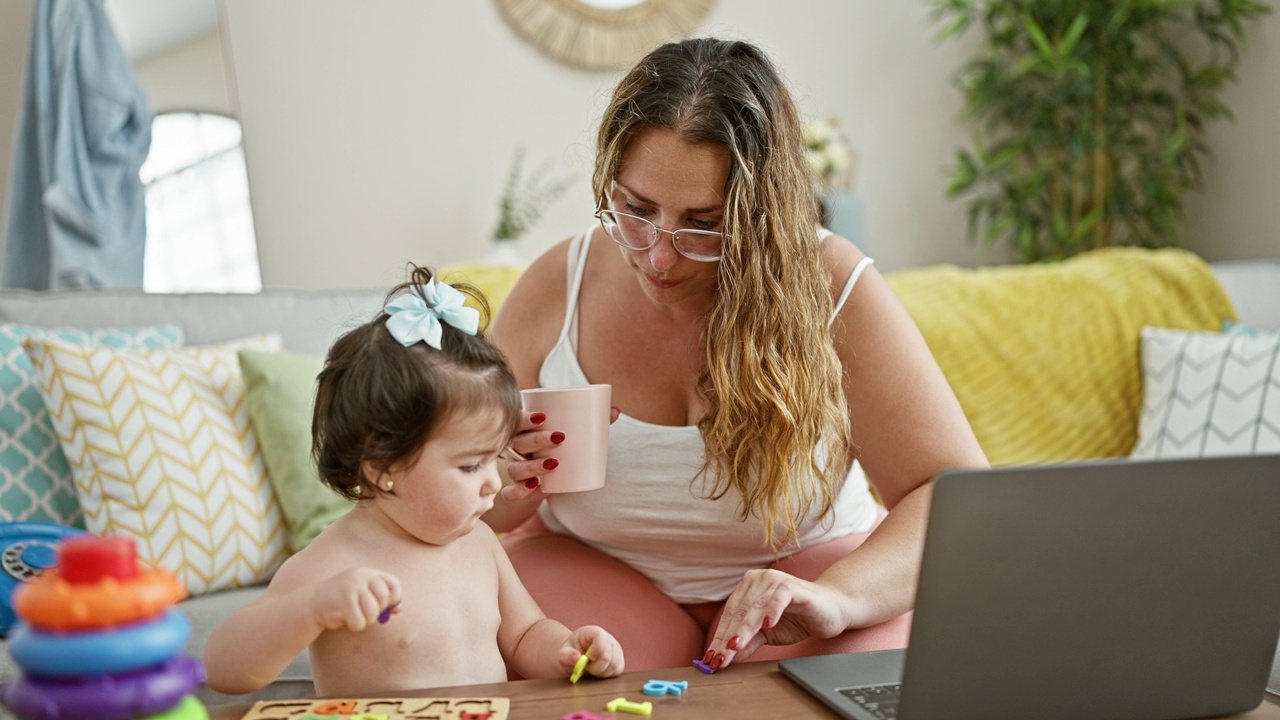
[382, 709]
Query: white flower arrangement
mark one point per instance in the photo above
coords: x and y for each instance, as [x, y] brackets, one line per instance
[828, 153]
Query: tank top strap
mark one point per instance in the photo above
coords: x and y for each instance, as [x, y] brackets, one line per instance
[577, 260]
[863, 264]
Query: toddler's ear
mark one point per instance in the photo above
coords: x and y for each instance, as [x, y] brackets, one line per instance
[373, 475]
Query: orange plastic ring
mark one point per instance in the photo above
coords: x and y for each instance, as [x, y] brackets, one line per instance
[50, 603]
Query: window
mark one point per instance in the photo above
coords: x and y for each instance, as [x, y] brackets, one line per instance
[199, 219]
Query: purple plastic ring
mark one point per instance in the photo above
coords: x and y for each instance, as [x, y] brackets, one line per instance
[105, 697]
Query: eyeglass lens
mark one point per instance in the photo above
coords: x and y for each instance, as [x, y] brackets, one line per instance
[640, 234]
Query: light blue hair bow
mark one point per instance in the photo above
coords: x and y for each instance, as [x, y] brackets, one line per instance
[411, 319]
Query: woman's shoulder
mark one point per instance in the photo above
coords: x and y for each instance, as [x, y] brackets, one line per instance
[530, 318]
[840, 257]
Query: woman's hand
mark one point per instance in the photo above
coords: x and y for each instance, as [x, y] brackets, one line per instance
[522, 468]
[770, 607]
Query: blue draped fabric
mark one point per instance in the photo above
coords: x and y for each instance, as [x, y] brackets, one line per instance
[76, 212]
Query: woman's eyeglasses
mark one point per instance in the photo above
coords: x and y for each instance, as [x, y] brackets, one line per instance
[636, 233]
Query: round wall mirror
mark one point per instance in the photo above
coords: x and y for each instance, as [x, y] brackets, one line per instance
[602, 34]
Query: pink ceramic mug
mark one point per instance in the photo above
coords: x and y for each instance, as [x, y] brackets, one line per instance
[582, 414]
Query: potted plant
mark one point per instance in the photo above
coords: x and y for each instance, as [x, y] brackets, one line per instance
[830, 160]
[1089, 115]
[523, 202]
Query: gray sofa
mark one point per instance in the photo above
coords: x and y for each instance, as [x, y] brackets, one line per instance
[309, 321]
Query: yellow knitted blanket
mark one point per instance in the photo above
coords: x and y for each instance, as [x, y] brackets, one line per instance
[1045, 359]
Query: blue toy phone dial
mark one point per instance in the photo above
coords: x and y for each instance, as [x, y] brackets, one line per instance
[26, 548]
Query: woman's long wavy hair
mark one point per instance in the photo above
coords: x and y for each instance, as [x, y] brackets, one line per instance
[777, 424]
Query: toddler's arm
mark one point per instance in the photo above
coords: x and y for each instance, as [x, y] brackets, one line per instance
[536, 646]
[248, 650]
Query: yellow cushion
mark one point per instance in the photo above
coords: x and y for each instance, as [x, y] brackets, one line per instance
[495, 281]
[161, 448]
[1045, 358]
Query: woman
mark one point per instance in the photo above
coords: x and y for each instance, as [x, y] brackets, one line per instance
[755, 360]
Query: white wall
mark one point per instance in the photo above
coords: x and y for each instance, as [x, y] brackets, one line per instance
[1237, 214]
[15, 28]
[188, 77]
[380, 132]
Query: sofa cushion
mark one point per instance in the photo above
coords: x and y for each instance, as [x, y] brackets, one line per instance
[1045, 358]
[35, 481]
[1209, 394]
[162, 449]
[280, 390]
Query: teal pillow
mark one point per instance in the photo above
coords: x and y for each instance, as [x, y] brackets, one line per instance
[280, 390]
[35, 480]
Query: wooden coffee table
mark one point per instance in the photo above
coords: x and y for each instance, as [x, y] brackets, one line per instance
[746, 690]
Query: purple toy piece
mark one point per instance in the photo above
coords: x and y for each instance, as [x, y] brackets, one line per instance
[105, 697]
[704, 667]
[582, 715]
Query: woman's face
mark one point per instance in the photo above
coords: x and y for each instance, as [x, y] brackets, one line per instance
[675, 185]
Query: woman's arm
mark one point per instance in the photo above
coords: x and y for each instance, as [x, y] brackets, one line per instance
[526, 329]
[907, 426]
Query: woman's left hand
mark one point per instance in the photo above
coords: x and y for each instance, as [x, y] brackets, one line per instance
[770, 607]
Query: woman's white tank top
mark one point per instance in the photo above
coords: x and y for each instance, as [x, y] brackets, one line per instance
[653, 513]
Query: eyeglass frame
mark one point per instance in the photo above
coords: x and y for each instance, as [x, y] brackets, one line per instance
[653, 238]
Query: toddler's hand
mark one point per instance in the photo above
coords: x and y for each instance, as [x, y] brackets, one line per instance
[354, 598]
[606, 654]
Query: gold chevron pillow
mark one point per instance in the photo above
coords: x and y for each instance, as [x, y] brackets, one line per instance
[161, 448]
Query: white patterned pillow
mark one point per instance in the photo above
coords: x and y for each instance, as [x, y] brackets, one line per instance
[35, 482]
[1208, 394]
[162, 449]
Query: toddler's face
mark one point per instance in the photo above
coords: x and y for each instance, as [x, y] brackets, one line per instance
[439, 496]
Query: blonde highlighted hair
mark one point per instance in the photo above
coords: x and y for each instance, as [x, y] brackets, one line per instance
[777, 424]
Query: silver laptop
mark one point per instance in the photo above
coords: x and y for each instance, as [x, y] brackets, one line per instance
[1143, 590]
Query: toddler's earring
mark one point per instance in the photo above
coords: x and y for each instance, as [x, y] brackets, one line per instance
[390, 484]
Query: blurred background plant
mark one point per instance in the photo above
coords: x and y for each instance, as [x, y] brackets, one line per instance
[829, 155]
[1089, 115]
[524, 199]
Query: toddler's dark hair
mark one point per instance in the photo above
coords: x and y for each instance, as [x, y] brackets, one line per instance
[379, 401]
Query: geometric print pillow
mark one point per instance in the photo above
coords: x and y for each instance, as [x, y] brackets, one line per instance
[162, 449]
[35, 482]
[1208, 394]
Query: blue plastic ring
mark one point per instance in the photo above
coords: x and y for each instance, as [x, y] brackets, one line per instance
[116, 650]
[156, 690]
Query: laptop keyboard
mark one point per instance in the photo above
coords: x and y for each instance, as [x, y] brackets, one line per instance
[879, 700]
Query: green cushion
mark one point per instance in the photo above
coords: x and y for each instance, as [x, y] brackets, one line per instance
[280, 389]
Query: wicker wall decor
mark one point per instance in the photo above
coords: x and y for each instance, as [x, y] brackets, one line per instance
[602, 34]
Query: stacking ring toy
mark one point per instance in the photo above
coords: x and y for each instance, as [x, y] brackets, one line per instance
[189, 709]
[117, 650]
[50, 602]
[106, 697]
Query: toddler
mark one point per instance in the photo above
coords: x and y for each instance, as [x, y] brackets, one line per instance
[409, 589]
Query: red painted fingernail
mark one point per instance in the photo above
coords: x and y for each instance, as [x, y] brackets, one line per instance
[557, 437]
[531, 483]
[733, 643]
[717, 661]
[766, 624]
[538, 418]
[550, 464]
[706, 659]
